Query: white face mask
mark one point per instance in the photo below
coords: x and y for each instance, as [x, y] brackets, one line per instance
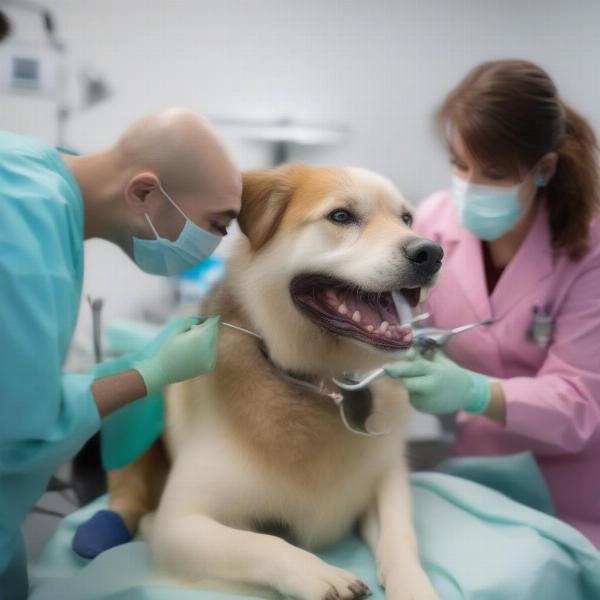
[165, 257]
[489, 211]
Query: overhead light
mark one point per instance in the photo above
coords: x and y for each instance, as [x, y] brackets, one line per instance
[283, 133]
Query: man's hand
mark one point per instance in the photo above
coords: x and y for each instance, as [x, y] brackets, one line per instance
[188, 352]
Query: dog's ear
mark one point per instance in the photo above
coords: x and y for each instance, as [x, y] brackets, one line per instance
[265, 196]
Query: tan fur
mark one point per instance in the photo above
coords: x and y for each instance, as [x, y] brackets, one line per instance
[249, 449]
[136, 489]
[288, 430]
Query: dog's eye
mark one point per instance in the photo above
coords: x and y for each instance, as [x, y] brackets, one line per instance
[408, 219]
[341, 216]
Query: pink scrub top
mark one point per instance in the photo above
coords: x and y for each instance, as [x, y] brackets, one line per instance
[552, 392]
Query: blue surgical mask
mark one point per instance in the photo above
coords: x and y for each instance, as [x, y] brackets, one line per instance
[488, 211]
[165, 257]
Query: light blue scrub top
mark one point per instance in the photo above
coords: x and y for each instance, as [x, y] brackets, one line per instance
[45, 415]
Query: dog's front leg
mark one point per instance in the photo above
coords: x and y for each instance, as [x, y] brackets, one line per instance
[134, 490]
[387, 527]
[197, 547]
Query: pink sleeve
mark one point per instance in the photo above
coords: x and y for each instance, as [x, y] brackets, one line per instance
[560, 407]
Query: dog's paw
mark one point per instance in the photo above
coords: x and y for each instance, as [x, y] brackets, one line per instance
[414, 585]
[320, 581]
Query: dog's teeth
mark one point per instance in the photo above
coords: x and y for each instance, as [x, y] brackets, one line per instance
[356, 316]
[388, 334]
[370, 328]
[423, 294]
[383, 327]
[343, 309]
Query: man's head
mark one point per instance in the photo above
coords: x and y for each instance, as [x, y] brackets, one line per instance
[173, 153]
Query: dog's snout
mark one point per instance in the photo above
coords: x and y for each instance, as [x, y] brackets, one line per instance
[425, 254]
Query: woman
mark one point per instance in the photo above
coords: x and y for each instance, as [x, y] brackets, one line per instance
[521, 238]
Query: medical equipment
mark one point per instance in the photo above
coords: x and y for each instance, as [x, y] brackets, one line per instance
[31, 67]
[427, 340]
[96, 305]
[420, 317]
[355, 403]
[351, 393]
[541, 328]
[37, 68]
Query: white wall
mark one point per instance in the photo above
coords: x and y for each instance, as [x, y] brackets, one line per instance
[379, 66]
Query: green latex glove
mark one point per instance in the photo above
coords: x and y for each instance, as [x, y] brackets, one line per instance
[440, 386]
[188, 352]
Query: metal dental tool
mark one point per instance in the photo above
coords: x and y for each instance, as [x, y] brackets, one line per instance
[351, 393]
[427, 340]
[355, 406]
[354, 381]
[242, 329]
[357, 381]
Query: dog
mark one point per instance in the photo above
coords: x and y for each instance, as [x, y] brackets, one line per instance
[258, 470]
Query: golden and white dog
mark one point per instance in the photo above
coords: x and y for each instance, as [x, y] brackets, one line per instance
[252, 454]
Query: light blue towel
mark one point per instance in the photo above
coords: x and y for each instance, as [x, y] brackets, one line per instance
[476, 543]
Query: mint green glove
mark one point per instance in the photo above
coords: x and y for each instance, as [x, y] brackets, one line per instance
[440, 386]
[188, 352]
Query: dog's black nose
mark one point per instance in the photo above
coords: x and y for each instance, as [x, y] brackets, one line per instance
[425, 254]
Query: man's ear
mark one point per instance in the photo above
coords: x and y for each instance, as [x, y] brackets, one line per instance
[265, 196]
[138, 188]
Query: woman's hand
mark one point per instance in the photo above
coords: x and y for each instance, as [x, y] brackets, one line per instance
[440, 386]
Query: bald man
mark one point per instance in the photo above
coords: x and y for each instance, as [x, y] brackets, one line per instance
[165, 194]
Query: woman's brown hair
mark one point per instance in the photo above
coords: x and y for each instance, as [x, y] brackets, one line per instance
[509, 114]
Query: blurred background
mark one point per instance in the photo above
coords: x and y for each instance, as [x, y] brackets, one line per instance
[328, 82]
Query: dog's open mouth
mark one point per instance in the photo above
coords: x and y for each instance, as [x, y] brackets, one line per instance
[345, 309]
